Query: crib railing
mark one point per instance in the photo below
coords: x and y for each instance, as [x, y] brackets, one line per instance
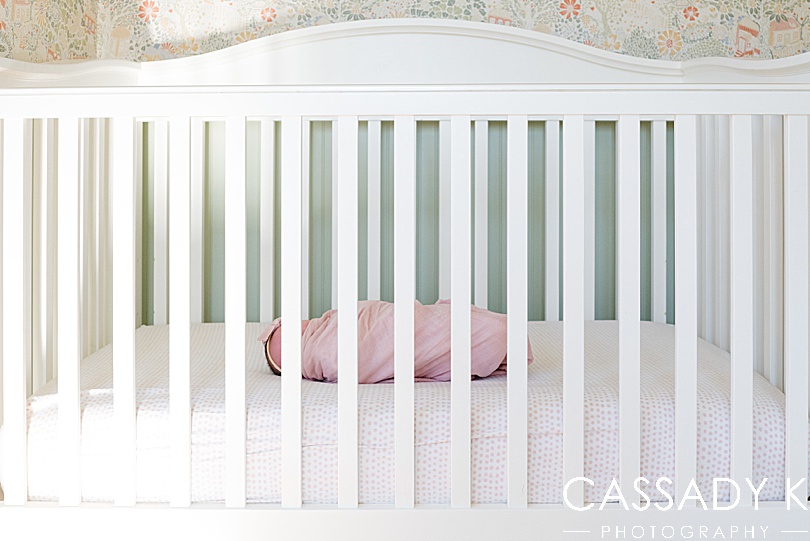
[465, 110]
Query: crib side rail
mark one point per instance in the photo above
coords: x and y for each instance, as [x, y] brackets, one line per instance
[573, 107]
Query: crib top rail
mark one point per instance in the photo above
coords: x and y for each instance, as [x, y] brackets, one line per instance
[407, 53]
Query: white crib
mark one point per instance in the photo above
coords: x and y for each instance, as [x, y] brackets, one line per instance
[63, 124]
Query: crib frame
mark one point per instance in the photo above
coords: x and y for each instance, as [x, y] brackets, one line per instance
[401, 70]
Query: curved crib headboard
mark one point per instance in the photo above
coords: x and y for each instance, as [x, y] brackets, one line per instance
[726, 142]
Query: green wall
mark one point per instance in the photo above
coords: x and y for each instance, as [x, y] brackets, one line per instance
[427, 174]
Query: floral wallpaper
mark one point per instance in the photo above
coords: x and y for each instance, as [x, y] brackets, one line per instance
[147, 30]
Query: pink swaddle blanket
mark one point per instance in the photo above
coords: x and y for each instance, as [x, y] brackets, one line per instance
[375, 345]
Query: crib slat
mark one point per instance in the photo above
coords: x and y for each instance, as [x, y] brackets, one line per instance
[460, 200]
[760, 232]
[161, 241]
[404, 295]
[235, 312]
[291, 308]
[481, 214]
[197, 171]
[553, 219]
[305, 219]
[347, 252]
[686, 298]
[444, 209]
[53, 275]
[39, 257]
[105, 231]
[742, 303]
[123, 192]
[589, 150]
[797, 260]
[517, 308]
[107, 226]
[573, 305]
[140, 149]
[706, 237]
[267, 219]
[774, 251]
[68, 312]
[628, 255]
[659, 221]
[27, 225]
[334, 229]
[374, 215]
[180, 311]
[88, 231]
[14, 360]
[722, 239]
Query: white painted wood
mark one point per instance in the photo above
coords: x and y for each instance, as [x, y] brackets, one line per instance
[481, 213]
[517, 308]
[292, 175]
[267, 218]
[160, 282]
[760, 230]
[703, 226]
[742, 304]
[345, 145]
[14, 456]
[2, 168]
[716, 244]
[105, 244]
[39, 258]
[774, 251]
[180, 309]
[659, 221]
[797, 260]
[324, 48]
[628, 296]
[87, 270]
[444, 209]
[574, 304]
[235, 313]
[52, 248]
[374, 210]
[90, 272]
[108, 218]
[723, 242]
[68, 313]
[459, 201]
[404, 295]
[489, 101]
[197, 210]
[333, 232]
[553, 219]
[589, 152]
[139, 185]
[306, 169]
[686, 246]
[27, 226]
[124, 387]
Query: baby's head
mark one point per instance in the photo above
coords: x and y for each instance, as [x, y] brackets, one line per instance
[272, 348]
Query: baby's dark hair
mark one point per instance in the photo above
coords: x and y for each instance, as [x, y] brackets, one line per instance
[267, 358]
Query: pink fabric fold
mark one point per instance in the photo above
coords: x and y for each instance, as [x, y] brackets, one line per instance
[375, 345]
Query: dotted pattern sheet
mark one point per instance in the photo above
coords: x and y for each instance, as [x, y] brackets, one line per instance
[432, 425]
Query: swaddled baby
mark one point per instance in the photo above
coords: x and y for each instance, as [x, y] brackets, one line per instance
[375, 343]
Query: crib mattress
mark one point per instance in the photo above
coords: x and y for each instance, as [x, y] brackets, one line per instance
[376, 424]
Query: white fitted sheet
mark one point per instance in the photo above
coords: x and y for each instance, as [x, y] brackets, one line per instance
[376, 425]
